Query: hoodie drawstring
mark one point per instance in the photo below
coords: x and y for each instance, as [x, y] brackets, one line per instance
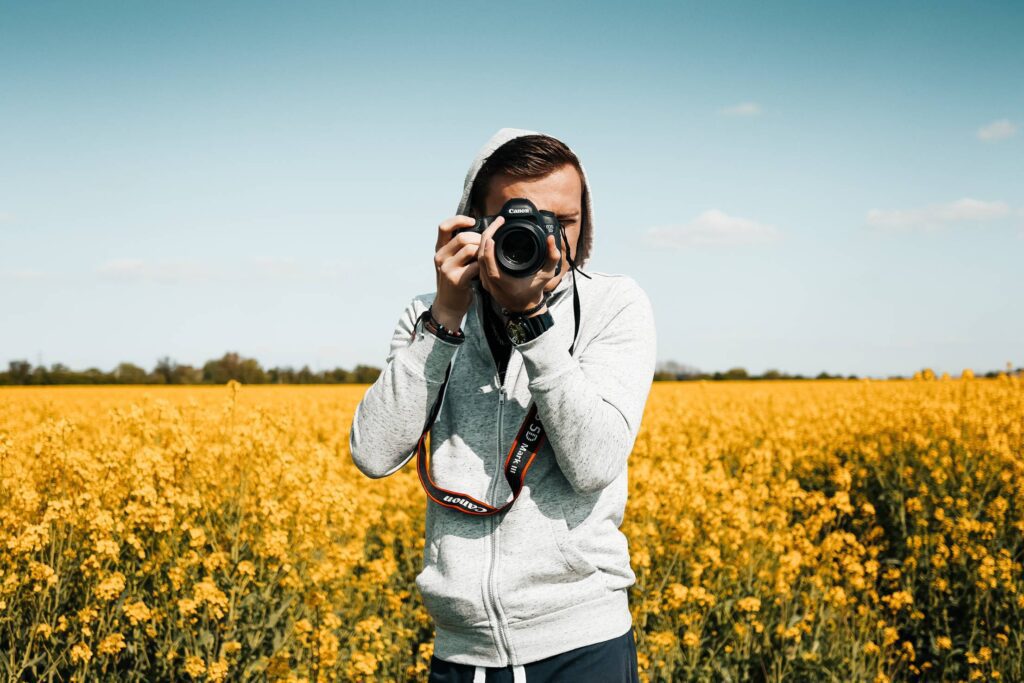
[568, 254]
[518, 674]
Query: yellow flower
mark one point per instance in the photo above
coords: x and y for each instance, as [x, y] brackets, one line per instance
[80, 653]
[207, 592]
[112, 644]
[749, 604]
[217, 672]
[110, 588]
[195, 666]
[136, 612]
[363, 664]
[890, 636]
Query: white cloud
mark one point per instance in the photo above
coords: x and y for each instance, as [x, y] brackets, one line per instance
[712, 228]
[964, 210]
[997, 130]
[742, 109]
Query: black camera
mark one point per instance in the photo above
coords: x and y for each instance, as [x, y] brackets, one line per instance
[520, 244]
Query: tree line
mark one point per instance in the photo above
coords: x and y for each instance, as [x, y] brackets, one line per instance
[672, 371]
[231, 366]
[663, 375]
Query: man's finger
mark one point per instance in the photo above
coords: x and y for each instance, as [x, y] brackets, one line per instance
[490, 261]
[495, 224]
[485, 280]
[445, 229]
[456, 244]
[469, 272]
[554, 255]
[486, 253]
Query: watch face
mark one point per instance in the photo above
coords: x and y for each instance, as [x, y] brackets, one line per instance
[517, 331]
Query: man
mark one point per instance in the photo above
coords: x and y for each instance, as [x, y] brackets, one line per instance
[537, 592]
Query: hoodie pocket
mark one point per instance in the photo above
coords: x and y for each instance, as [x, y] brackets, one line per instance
[450, 583]
[540, 569]
[574, 559]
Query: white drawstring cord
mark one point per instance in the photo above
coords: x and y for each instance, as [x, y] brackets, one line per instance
[518, 674]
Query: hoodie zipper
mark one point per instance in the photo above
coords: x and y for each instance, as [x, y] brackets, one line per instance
[491, 574]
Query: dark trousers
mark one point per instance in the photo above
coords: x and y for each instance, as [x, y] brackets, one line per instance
[613, 661]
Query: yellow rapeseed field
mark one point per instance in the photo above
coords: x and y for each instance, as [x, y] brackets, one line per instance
[849, 530]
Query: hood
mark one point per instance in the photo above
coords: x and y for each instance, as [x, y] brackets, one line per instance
[586, 239]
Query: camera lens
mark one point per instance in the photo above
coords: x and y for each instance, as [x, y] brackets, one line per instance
[519, 247]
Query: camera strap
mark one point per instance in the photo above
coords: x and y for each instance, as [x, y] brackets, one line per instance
[520, 456]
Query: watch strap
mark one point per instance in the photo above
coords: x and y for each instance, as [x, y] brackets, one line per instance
[522, 329]
[529, 311]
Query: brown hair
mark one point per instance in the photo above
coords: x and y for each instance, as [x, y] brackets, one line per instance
[529, 157]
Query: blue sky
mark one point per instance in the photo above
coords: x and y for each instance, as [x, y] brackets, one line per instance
[806, 186]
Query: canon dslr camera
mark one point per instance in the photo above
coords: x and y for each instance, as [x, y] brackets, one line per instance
[520, 244]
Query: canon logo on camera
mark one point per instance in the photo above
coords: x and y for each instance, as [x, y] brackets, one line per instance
[521, 209]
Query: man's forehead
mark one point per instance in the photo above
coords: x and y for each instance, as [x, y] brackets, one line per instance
[559, 192]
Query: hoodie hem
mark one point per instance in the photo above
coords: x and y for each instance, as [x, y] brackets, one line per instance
[534, 639]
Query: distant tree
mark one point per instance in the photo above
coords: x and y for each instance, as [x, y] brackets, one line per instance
[338, 375]
[91, 376]
[736, 373]
[304, 375]
[186, 374]
[676, 370]
[127, 373]
[233, 366]
[60, 374]
[40, 376]
[365, 374]
[164, 372]
[771, 374]
[20, 371]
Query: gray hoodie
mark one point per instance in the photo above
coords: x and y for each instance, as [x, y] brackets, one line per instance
[550, 574]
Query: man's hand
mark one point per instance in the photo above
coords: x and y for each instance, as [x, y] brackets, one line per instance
[513, 293]
[456, 266]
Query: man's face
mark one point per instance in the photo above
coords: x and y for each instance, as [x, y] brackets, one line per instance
[560, 192]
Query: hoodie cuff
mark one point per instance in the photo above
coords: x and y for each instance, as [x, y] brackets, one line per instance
[545, 359]
[428, 356]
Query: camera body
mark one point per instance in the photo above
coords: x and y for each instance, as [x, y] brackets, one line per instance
[520, 244]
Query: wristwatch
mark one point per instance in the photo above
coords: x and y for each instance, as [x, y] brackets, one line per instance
[521, 329]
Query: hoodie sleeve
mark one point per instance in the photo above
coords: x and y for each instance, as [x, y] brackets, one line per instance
[390, 417]
[591, 407]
